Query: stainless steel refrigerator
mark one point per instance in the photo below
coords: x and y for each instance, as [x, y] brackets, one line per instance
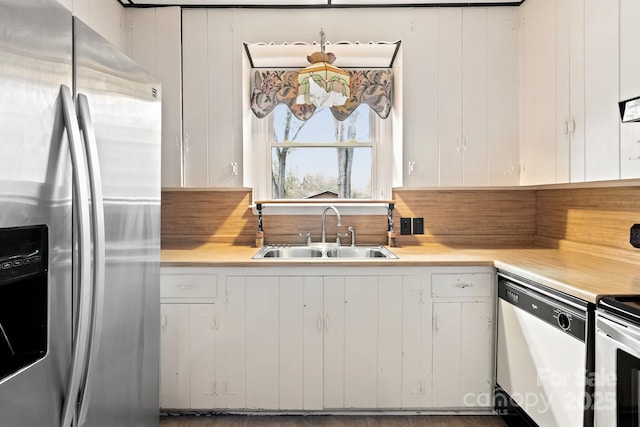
[79, 225]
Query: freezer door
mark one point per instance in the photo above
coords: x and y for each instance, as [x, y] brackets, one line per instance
[35, 187]
[125, 109]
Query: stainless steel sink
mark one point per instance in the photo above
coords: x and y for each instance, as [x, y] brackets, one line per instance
[360, 252]
[323, 251]
[277, 251]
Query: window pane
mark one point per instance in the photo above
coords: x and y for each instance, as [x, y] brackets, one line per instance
[316, 172]
[322, 126]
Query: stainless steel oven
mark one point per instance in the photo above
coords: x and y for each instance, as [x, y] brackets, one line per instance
[617, 394]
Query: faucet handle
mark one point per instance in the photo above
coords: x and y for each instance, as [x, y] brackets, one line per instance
[307, 238]
[338, 236]
[353, 235]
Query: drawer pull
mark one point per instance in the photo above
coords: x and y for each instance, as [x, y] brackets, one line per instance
[464, 285]
[187, 286]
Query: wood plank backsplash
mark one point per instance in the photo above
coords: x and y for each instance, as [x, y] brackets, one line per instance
[207, 216]
[598, 216]
[468, 217]
[452, 217]
[595, 216]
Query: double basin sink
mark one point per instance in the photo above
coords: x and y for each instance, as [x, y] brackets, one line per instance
[323, 251]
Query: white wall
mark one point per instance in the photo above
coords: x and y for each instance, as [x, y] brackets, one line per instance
[107, 17]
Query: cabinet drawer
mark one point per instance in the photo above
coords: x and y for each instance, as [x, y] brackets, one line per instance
[461, 285]
[188, 286]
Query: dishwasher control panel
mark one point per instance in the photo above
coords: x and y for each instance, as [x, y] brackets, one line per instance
[546, 307]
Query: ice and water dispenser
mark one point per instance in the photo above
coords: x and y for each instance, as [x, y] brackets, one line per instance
[23, 297]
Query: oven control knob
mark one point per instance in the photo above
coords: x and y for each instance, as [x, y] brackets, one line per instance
[564, 321]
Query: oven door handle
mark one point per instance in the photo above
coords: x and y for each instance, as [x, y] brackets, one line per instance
[613, 330]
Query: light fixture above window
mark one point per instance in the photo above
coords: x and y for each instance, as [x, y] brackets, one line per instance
[321, 83]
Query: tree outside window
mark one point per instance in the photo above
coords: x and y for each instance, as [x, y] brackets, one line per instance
[322, 157]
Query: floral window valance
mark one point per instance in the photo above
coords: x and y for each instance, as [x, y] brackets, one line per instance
[272, 87]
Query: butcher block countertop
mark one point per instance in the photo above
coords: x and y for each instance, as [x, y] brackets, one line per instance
[582, 273]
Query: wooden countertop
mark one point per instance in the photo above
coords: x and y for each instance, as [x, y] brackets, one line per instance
[583, 275]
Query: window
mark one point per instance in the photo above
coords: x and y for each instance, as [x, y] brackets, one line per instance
[322, 157]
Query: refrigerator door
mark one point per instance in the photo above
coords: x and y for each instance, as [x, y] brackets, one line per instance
[35, 188]
[125, 109]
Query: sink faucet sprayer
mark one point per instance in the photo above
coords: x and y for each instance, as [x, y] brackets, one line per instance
[324, 214]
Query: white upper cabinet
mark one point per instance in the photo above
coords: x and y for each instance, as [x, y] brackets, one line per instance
[569, 75]
[420, 112]
[502, 97]
[538, 91]
[212, 147]
[156, 46]
[570, 92]
[629, 85]
[601, 78]
[460, 114]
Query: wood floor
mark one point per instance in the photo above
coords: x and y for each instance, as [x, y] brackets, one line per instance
[333, 421]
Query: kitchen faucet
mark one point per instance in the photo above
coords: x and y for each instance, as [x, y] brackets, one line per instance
[324, 214]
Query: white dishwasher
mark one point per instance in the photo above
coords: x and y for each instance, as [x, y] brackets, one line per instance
[542, 355]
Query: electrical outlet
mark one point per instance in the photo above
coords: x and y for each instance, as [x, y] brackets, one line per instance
[405, 226]
[634, 237]
[418, 225]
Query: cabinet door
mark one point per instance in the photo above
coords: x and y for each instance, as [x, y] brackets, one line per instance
[544, 21]
[262, 338]
[156, 46]
[570, 91]
[291, 331]
[363, 350]
[334, 343]
[231, 348]
[462, 354]
[169, 71]
[502, 96]
[225, 139]
[389, 369]
[212, 140]
[203, 325]
[474, 96]
[450, 95]
[175, 366]
[629, 86]
[602, 117]
[195, 107]
[527, 41]
[360, 341]
[416, 343]
[420, 125]
[301, 330]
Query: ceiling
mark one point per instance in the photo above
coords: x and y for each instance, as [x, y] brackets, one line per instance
[316, 3]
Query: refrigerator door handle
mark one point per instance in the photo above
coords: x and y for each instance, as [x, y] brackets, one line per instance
[81, 193]
[98, 232]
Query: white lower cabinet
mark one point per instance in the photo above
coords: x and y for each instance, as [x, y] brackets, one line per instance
[463, 339]
[362, 341]
[463, 354]
[336, 338]
[175, 387]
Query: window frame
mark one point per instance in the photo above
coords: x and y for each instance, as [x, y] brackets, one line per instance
[372, 143]
[381, 143]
